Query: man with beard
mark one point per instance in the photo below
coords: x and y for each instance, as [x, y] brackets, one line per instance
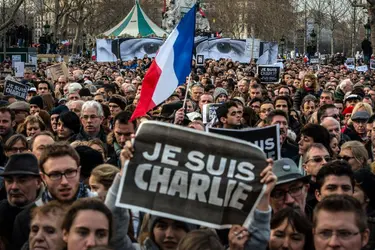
[23, 186]
[7, 122]
[122, 131]
[60, 170]
[308, 107]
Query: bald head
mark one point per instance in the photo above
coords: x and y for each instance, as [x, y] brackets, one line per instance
[333, 126]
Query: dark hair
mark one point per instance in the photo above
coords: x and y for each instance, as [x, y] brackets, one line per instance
[87, 204]
[13, 140]
[256, 99]
[342, 203]
[274, 113]
[336, 168]
[328, 92]
[319, 134]
[200, 239]
[58, 149]
[124, 118]
[44, 82]
[208, 87]
[106, 111]
[284, 98]
[223, 110]
[322, 110]
[11, 112]
[284, 87]
[297, 221]
[71, 121]
[255, 86]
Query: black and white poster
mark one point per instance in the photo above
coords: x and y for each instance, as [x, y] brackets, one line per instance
[314, 60]
[268, 73]
[209, 112]
[185, 174]
[267, 138]
[217, 48]
[16, 89]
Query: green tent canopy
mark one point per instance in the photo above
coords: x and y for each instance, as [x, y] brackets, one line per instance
[135, 24]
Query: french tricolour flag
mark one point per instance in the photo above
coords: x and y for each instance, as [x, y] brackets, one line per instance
[171, 66]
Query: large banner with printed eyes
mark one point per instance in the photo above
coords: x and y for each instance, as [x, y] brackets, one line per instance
[239, 50]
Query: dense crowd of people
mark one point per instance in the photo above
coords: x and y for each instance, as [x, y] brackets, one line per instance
[63, 150]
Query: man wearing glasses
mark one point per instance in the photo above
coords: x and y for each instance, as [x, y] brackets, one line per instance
[339, 222]
[313, 160]
[59, 167]
[291, 187]
[91, 117]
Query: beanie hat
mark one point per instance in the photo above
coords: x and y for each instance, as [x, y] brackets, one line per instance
[70, 120]
[153, 219]
[59, 110]
[348, 110]
[89, 158]
[218, 92]
[84, 92]
[37, 100]
[118, 101]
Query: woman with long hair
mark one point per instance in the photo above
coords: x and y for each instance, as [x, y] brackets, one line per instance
[308, 86]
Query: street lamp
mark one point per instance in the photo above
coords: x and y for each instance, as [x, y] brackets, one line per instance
[313, 40]
[282, 44]
[46, 28]
[368, 29]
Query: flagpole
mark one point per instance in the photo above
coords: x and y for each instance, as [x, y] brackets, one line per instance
[187, 90]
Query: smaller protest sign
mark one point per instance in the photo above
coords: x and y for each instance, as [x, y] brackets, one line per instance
[186, 174]
[350, 63]
[19, 69]
[58, 70]
[200, 60]
[372, 64]
[314, 60]
[267, 138]
[16, 89]
[268, 73]
[209, 112]
[362, 68]
[30, 66]
[16, 58]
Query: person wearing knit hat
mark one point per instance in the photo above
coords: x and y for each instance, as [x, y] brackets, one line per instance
[55, 113]
[116, 104]
[68, 126]
[89, 159]
[36, 104]
[220, 95]
[347, 113]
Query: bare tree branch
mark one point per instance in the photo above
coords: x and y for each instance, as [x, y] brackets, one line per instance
[10, 19]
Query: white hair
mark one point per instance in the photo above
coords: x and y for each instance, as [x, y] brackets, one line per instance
[95, 105]
[331, 119]
[345, 83]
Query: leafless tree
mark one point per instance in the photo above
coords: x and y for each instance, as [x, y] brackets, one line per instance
[9, 19]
